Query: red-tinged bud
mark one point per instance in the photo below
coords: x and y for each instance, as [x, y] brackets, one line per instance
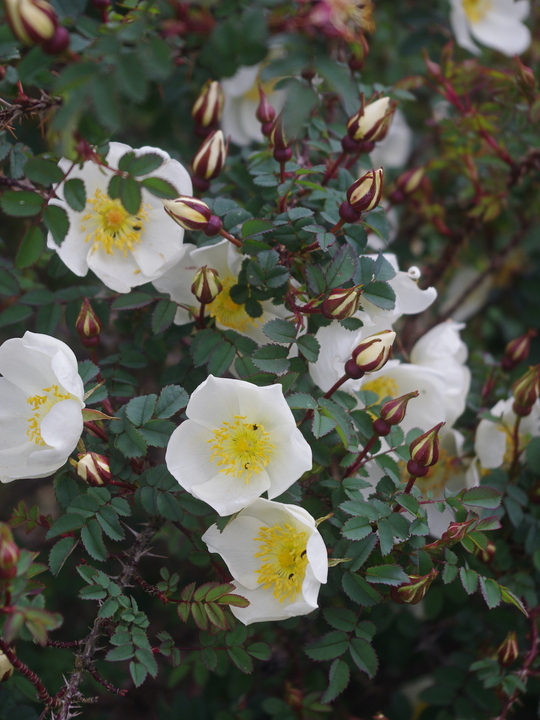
[526, 391]
[360, 52]
[517, 350]
[372, 353]
[407, 183]
[209, 105]
[508, 650]
[265, 112]
[277, 134]
[6, 668]
[88, 325]
[393, 411]
[58, 43]
[412, 592]
[206, 285]
[525, 79]
[94, 469]
[210, 158]
[488, 553]
[348, 214]
[341, 303]
[32, 21]
[189, 212]
[372, 122]
[432, 67]
[455, 532]
[365, 194]
[425, 449]
[214, 226]
[9, 553]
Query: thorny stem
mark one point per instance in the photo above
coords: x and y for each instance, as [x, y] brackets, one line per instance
[356, 464]
[85, 658]
[29, 674]
[230, 238]
[106, 684]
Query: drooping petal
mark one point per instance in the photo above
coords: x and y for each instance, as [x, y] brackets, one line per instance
[503, 33]
[228, 494]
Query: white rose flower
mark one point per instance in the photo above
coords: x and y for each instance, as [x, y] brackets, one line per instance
[238, 120]
[227, 261]
[277, 558]
[239, 441]
[394, 150]
[123, 250]
[494, 443]
[495, 23]
[40, 408]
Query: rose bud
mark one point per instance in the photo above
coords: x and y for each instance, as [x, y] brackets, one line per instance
[365, 194]
[277, 134]
[517, 350]
[209, 105]
[411, 593]
[6, 668]
[210, 158]
[9, 553]
[265, 112]
[407, 183]
[456, 531]
[525, 79]
[32, 21]
[424, 451]
[206, 285]
[372, 122]
[526, 391]
[360, 52]
[508, 650]
[58, 43]
[341, 303]
[488, 553]
[94, 469]
[189, 212]
[371, 355]
[87, 324]
[392, 413]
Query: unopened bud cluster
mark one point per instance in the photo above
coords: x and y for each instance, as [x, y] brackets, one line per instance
[369, 125]
[371, 355]
[88, 325]
[424, 452]
[526, 391]
[192, 214]
[34, 22]
[206, 285]
[209, 160]
[414, 591]
[362, 196]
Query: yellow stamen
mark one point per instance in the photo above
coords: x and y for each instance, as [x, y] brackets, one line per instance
[227, 312]
[41, 404]
[109, 225]
[284, 556]
[383, 386]
[476, 10]
[242, 449]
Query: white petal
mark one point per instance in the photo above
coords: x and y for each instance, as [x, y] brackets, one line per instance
[62, 426]
[409, 297]
[161, 245]
[502, 33]
[73, 250]
[188, 455]
[490, 444]
[27, 369]
[237, 546]
[265, 607]
[228, 494]
[290, 460]
[460, 27]
[394, 150]
[117, 271]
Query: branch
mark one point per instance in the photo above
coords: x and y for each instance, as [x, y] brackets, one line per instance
[29, 674]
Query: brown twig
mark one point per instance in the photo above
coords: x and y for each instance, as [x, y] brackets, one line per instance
[43, 695]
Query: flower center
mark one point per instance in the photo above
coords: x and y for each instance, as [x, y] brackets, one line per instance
[243, 449]
[227, 312]
[41, 404]
[476, 10]
[384, 386]
[283, 560]
[110, 225]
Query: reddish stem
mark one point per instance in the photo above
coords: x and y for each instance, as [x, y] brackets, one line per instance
[340, 223]
[356, 464]
[331, 171]
[29, 674]
[230, 238]
[328, 394]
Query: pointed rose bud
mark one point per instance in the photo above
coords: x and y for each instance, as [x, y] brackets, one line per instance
[407, 183]
[32, 21]
[371, 355]
[525, 79]
[456, 531]
[265, 112]
[189, 212]
[517, 350]
[277, 134]
[210, 158]
[87, 324]
[365, 194]
[526, 391]
[9, 553]
[392, 413]
[372, 122]
[6, 668]
[424, 451]
[94, 469]
[412, 592]
[206, 285]
[209, 105]
[341, 303]
[508, 650]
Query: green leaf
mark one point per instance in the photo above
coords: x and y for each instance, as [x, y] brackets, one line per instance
[364, 656]
[378, 222]
[93, 541]
[138, 673]
[60, 553]
[309, 347]
[131, 443]
[130, 195]
[8, 283]
[271, 359]
[469, 580]
[329, 646]
[31, 247]
[65, 524]
[359, 590]
[338, 676]
[132, 301]
[381, 294]
[341, 268]
[387, 575]
[171, 399]
[140, 409]
[108, 520]
[147, 163]
[40, 170]
[47, 318]
[109, 607]
[22, 203]
[257, 226]
[105, 100]
[221, 358]
[14, 314]
[482, 496]
[160, 188]
[490, 592]
[131, 78]
[509, 597]
[122, 652]
[280, 331]
[57, 222]
[75, 194]
[301, 401]
[241, 659]
[209, 658]
[146, 657]
[385, 532]
[168, 507]
[163, 315]
[260, 650]
[408, 502]
[341, 618]
[356, 528]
